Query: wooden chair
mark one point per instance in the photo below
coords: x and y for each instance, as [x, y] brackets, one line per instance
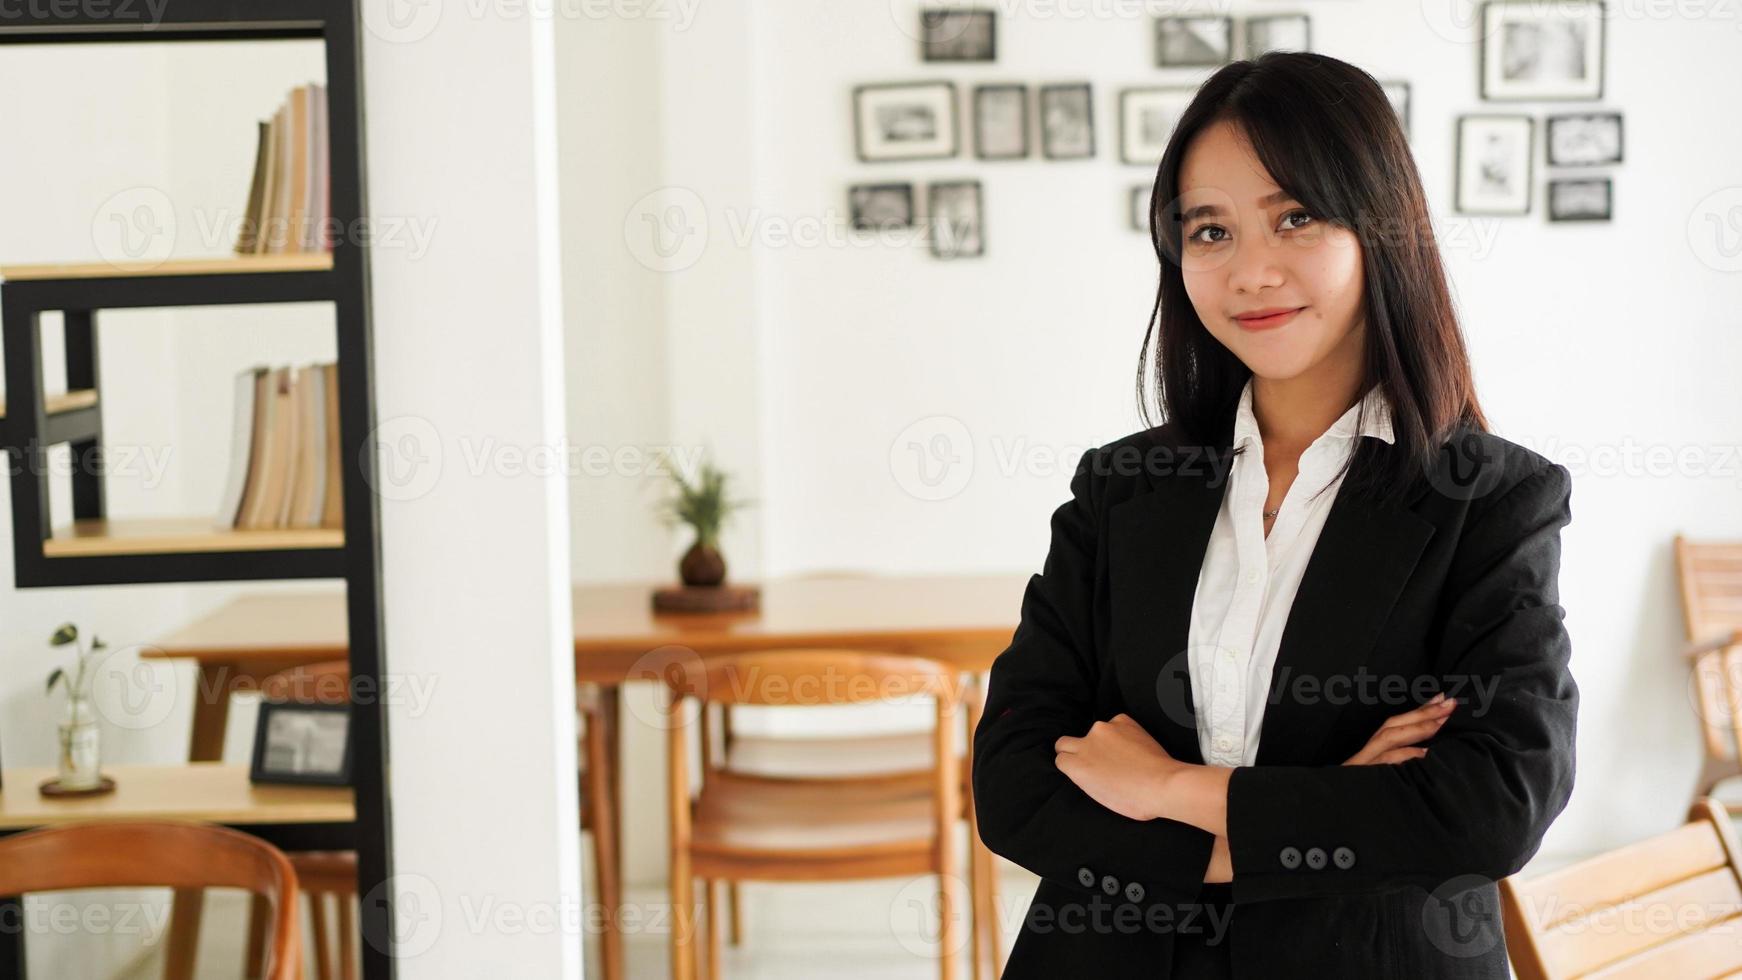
[1710, 575]
[335, 872]
[160, 854]
[1668, 906]
[843, 756]
[753, 827]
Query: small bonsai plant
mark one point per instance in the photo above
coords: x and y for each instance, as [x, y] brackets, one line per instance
[704, 505]
[78, 727]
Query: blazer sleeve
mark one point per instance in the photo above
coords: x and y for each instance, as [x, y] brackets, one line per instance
[1043, 686]
[1495, 776]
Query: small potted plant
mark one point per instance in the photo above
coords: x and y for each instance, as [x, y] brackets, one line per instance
[79, 764]
[704, 505]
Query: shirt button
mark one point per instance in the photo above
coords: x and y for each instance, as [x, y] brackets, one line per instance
[1110, 885]
[1290, 857]
[1343, 858]
[1227, 653]
[1085, 877]
[1252, 578]
[1315, 858]
[1224, 743]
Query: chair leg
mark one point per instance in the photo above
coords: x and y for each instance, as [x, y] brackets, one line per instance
[715, 895]
[683, 920]
[950, 926]
[317, 919]
[736, 912]
[259, 923]
[347, 937]
[183, 940]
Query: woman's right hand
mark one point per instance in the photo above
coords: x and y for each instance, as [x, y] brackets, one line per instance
[1395, 740]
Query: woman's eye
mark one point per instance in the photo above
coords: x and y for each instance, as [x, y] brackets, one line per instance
[1296, 214]
[1193, 237]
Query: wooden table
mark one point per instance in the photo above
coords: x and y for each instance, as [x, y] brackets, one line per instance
[963, 620]
[290, 817]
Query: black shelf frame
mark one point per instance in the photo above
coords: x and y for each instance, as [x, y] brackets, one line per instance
[27, 427]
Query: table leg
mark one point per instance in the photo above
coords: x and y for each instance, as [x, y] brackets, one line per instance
[610, 699]
[12, 937]
[211, 713]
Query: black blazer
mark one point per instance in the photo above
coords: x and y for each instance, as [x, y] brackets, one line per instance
[1339, 871]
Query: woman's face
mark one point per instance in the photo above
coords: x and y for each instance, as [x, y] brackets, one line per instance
[1247, 247]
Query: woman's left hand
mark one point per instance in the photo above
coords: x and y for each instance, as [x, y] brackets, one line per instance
[1118, 765]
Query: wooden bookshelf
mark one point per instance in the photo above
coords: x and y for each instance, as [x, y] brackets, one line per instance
[70, 401]
[228, 265]
[177, 535]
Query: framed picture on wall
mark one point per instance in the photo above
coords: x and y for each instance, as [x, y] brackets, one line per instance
[1398, 94]
[958, 226]
[1580, 199]
[1067, 122]
[296, 742]
[958, 34]
[880, 207]
[1147, 117]
[1001, 122]
[1540, 52]
[1584, 139]
[1138, 205]
[905, 121]
[1493, 164]
[1278, 32]
[1193, 42]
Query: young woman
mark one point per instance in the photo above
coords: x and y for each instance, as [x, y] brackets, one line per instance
[1290, 694]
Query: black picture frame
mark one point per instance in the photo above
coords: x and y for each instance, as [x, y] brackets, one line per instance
[1563, 119]
[1252, 22]
[1227, 56]
[934, 51]
[1555, 213]
[931, 215]
[1490, 36]
[856, 218]
[1138, 204]
[980, 93]
[1403, 111]
[1048, 137]
[1459, 205]
[259, 770]
[862, 92]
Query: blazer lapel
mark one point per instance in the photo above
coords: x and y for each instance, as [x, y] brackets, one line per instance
[1364, 554]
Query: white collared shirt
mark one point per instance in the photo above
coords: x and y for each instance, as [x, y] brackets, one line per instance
[1248, 581]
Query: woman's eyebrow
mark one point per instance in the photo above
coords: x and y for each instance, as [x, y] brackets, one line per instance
[1209, 210]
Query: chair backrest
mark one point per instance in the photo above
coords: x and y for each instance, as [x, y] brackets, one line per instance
[155, 854]
[1710, 573]
[328, 682]
[1667, 906]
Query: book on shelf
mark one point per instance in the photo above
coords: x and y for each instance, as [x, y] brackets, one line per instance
[290, 198]
[284, 467]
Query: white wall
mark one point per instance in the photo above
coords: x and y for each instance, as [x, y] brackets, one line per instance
[1585, 337]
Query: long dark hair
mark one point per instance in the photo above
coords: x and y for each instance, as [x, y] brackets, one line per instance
[1329, 136]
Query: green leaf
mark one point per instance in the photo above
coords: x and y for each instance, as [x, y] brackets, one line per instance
[66, 634]
[58, 674]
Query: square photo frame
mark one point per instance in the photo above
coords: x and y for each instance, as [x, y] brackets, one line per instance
[1147, 117]
[1542, 52]
[302, 743]
[1067, 121]
[880, 207]
[1581, 199]
[958, 224]
[955, 34]
[1494, 164]
[1278, 32]
[1138, 205]
[1001, 122]
[905, 121]
[1586, 139]
[1193, 42]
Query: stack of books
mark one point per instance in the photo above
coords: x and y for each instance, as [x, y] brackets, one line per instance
[285, 470]
[290, 198]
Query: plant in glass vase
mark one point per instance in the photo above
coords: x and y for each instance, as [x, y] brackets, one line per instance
[79, 758]
[704, 505]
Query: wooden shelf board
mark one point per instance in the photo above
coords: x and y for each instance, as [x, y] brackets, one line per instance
[221, 265]
[174, 535]
[64, 402]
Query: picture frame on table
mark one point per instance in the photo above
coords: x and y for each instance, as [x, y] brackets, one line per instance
[905, 121]
[1542, 52]
[302, 743]
[1493, 164]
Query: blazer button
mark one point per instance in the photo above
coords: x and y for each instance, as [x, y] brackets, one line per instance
[1290, 857]
[1134, 891]
[1085, 877]
[1110, 885]
[1315, 858]
[1343, 858]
